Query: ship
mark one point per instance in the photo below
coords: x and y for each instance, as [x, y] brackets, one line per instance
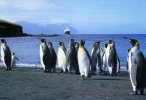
[67, 31]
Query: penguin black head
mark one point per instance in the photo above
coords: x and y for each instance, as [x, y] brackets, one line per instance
[3, 40]
[105, 45]
[110, 41]
[82, 42]
[13, 53]
[72, 40]
[98, 42]
[42, 40]
[49, 44]
[61, 44]
[76, 44]
[132, 41]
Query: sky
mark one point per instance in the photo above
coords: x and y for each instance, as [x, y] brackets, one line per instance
[87, 16]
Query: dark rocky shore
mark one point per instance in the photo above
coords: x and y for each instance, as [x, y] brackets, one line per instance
[33, 84]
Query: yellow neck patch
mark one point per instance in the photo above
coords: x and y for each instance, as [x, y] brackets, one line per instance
[81, 48]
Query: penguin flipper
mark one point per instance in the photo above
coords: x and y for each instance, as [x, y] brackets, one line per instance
[87, 54]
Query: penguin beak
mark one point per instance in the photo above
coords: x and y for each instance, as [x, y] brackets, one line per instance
[132, 41]
[127, 39]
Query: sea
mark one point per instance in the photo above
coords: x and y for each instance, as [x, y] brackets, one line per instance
[27, 48]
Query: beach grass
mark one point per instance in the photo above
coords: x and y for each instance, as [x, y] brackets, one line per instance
[34, 84]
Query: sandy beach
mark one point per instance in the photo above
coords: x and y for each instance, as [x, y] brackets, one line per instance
[33, 84]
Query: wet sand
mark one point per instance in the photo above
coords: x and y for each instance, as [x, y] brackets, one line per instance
[33, 84]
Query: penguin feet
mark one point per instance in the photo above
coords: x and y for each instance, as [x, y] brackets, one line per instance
[8, 69]
[136, 92]
[83, 77]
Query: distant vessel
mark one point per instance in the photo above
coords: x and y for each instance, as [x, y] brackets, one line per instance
[67, 31]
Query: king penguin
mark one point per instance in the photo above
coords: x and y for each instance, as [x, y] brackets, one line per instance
[96, 58]
[104, 57]
[5, 55]
[72, 58]
[112, 58]
[62, 57]
[137, 67]
[53, 57]
[45, 56]
[84, 60]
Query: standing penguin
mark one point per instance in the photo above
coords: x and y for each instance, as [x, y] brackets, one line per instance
[83, 60]
[104, 57]
[45, 56]
[112, 59]
[62, 57]
[96, 58]
[14, 58]
[6, 55]
[137, 67]
[53, 57]
[72, 58]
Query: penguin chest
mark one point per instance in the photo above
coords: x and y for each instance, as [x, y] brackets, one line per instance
[83, 59]
[2, 53]
[62, 60]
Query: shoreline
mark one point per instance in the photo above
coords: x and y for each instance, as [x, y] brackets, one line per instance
[34, 84]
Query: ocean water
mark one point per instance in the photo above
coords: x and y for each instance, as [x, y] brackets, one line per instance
[27, 48]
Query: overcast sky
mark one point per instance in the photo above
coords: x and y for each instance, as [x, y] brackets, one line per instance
[88, 16]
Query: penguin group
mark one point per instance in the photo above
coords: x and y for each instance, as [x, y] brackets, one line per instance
[76, 59]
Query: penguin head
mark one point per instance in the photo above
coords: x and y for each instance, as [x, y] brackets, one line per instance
[61, 44]
[96, 44]
[13, 53]
[111, 43]
[49, 44]
[42, 40]
[105, 45]
[72, 40]
[82, 42]
[76, 44]
[132, 41]
[3, 41]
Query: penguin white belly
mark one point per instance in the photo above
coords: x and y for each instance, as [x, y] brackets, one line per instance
[41, 57]
[104, 62]
[62, 60]
[3, 55]
[13, 61]
[132, 72]
[84, 63]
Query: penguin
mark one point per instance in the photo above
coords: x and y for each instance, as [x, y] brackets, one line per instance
[14, 58]
[62, 57]
[137, 67]
[53, 57]
[112, 58]
[96, 58]
[72, 58]
[84, 60]
[45, 56]
[6, 55]
[104, 59]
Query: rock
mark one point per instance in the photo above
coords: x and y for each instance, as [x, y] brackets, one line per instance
[8, 29]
